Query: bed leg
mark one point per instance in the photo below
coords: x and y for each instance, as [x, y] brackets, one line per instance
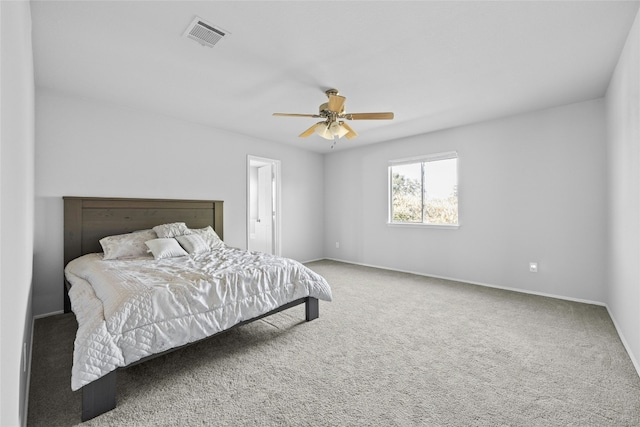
[99, 396]
[312, 308]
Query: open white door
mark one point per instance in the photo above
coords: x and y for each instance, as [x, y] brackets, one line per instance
[263, 205]
[263, 240]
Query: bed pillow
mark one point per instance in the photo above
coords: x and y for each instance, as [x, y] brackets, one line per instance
[193, 243]
[171, 230]
[128, 245]
[209, 236]
[165, 247]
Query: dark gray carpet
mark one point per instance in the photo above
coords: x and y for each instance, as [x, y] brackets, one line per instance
[393, 349]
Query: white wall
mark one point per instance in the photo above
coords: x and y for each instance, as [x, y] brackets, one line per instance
[531, 188]
[623, 134]
[87, 148]
[16, 206]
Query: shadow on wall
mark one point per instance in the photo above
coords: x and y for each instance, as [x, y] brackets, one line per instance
[48, 271]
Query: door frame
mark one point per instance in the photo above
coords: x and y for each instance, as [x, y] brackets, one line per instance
[276, 225]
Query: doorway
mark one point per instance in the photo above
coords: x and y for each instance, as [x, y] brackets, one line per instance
[263, 205]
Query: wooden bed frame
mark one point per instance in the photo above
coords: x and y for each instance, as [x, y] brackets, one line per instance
[88, 219]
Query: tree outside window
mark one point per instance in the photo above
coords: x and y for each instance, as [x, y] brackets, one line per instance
[425, 190]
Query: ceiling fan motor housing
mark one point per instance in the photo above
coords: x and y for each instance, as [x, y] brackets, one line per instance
[326, 112]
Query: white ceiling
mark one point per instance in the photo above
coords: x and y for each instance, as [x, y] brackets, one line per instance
[434, 64]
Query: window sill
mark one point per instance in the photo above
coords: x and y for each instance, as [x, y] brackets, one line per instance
[421, 225]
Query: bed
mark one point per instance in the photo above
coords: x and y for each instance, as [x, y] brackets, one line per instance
[135, 306]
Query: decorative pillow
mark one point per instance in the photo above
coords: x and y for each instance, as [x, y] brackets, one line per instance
[165, 247]
[209, 236]
[193, 243]
[171, 230]
[126, 245]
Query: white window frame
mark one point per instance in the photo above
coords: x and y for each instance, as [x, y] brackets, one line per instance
[421, 159]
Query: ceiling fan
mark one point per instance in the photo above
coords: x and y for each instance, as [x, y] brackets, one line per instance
[333, 114]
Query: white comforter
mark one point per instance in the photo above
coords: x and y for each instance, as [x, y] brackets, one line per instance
[130, 309]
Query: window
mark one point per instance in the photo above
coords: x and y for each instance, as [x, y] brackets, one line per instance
[424, 190]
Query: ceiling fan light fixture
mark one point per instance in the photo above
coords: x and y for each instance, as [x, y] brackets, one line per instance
[337, 129]
[331, 130]
[324, 131]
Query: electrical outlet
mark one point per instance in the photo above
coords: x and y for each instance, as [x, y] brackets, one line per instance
[533, 267]
[337, 245]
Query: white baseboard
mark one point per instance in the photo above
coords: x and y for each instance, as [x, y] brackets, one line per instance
[312, 260]
[624, 342]
[53, 313]
[615, 324]
[487, 285]
[27, 388]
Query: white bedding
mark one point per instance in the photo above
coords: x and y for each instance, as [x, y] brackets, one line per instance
[130, 309]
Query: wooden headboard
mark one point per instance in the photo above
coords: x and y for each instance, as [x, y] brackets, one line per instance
[89, 219]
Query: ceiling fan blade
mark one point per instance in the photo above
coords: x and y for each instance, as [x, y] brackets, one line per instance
[351, 134]
[311, 130]
[336, 103]
[294, 115]
[369, 116]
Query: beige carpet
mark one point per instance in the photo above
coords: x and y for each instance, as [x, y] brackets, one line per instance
[393, 349]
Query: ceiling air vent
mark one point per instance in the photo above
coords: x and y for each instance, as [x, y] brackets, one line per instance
[204, 32]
